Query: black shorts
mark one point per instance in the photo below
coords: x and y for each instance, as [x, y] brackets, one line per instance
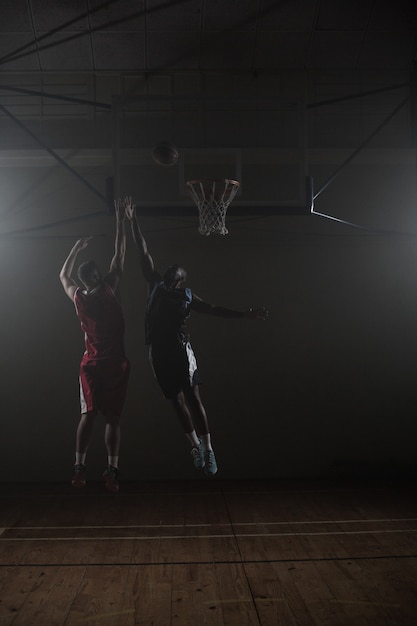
[175, 368]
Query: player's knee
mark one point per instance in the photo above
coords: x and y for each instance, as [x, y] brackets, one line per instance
[178, 401]
[112, 420]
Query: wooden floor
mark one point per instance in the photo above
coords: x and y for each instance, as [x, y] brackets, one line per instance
[210, 553]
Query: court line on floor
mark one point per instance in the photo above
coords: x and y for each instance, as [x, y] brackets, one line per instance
[216, 562]
[214, 536]
[261, 492]
[210, 525]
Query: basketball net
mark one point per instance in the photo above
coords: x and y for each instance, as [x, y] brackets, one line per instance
[212, 198]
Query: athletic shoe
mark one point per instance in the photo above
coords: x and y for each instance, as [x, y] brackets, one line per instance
[111, 475]
[210, 465]
[198, 456]
[78, 478]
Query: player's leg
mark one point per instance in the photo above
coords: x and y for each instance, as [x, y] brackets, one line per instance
[85, 431]
[182, 412]
[87, 377]
[200, 420]
[112, 436]
[197, 410]
[172, 370]
[187, 425]
[83, 438]
[115, 377]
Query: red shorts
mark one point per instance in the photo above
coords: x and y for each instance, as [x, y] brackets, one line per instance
[103, 385]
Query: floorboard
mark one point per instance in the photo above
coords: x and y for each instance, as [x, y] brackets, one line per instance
[244, 553]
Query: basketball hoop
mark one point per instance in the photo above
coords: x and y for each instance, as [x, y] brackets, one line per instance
[212, 197]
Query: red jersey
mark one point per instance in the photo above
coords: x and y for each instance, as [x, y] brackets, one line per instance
[102, 321]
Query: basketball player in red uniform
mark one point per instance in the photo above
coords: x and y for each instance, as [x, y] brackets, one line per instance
[104, 368]
[172, 358]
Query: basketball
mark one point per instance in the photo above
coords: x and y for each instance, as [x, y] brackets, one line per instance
[165, 153]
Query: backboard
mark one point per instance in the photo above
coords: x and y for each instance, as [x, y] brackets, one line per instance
[256, 139]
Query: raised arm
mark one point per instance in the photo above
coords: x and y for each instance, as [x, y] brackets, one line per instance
[67, 282]
[118, 260]
[200, 306]
[146, 260]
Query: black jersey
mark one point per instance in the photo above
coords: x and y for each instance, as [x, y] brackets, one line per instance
[166, 313]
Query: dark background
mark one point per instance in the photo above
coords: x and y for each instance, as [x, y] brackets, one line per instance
[277, 91]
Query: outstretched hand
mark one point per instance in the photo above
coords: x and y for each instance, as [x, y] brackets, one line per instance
[129, 208]
[258, 314]
[82, 243]
[119, 209]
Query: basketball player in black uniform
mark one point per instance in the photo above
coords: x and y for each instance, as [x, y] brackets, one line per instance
[169, 305]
